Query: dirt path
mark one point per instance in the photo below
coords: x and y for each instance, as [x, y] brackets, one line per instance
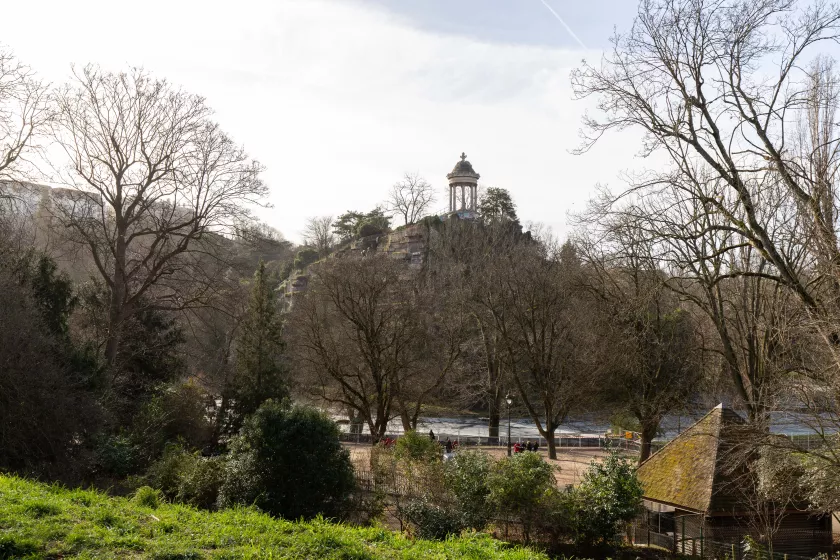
[570, 464]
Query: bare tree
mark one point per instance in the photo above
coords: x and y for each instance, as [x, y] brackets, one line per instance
[461, 257]
[154, 182]
[747, 214]
[751, 318]
[650, 349]
[690, 75]
[411, 198]
[532, 298]
[318, 233]
[365, 341]
[24, 115]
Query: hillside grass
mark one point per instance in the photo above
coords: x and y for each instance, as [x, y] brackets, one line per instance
[40, 521]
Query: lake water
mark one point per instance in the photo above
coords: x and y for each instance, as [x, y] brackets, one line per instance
[471, 426]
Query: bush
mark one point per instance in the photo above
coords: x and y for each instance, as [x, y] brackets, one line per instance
[433, 222]
[609, 495]
[454, 498]
[201, 482]
[289, 462]
[367, 229]
[166, 473]
[45, 404]
[416, 447]
[557, 521]
[176, 412]
[519, 488]
[147, 497]
[305, 257]
[466, 477]
[432, 521]
[117, 455]
[187, 477]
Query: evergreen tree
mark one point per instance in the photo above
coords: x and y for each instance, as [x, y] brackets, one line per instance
[352, 224]
[496, 204]
[259, 357]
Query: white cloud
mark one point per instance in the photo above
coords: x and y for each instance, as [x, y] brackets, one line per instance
[338, 99]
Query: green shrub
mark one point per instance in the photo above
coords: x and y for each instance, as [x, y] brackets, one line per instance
[416, 447]
[187, 477]
[432, 521]
[288, 461]
[433, 222]
[519, 487]
[166, 473]
[177, 412]
[557, 520]
[147, 496]
[305, 257]
[201, 482]
[117, 455]
[367, 229]
[466, 477]
[609, 495]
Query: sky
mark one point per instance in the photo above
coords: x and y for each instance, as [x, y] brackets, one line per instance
[340, 98]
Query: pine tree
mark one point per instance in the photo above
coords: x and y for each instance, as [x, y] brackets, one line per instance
[260, 369]
[497, 204]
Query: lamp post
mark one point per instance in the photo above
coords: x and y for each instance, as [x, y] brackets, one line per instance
[509, 401]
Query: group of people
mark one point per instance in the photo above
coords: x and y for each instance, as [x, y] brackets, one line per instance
[519, 447]
[448, 446]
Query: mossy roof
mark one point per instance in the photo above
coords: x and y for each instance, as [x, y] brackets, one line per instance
[688, 472]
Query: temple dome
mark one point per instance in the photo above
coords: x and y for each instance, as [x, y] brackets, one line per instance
[463, 169]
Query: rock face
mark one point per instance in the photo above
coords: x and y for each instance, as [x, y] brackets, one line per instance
[408, 244]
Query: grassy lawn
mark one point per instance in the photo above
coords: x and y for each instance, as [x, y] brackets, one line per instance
[42, 521]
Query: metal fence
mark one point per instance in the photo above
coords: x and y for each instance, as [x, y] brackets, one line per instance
[458, 440]
[691, 540]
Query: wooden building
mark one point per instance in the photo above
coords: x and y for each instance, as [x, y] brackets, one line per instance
[697, 502]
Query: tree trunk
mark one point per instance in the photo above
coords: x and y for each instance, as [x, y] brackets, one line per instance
[649, 430]
[405, 418]
[552, 444]
[493, 423]
[115, 320]
[493, 370]
[378, 428]
[494, 414]
[116, 308]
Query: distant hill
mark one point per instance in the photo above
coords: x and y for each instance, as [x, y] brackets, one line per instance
[26, 206]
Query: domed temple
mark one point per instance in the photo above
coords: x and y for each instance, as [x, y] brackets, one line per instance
[463, 189]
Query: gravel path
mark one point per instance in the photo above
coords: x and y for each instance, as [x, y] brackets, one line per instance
[571, 463]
